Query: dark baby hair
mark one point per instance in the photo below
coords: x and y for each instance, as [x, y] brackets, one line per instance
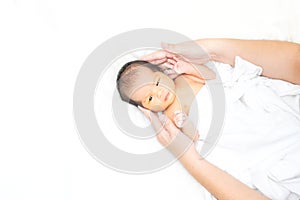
[127, 76]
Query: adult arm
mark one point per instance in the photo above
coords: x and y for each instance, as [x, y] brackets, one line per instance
[279, 59]
[219, 183]
[216, 181]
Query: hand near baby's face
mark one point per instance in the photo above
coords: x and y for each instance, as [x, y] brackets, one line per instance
[162, 59]
[171, 64]
[180, 66]
[158, 57]
[176, 59]
[188, 51]
[183, 122]
[168, 134]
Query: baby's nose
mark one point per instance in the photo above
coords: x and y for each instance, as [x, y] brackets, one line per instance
[159, 92]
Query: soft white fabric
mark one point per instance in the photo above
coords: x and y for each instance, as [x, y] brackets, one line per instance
[260, 142]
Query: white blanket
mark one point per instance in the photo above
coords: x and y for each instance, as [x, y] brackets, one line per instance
[260, 141]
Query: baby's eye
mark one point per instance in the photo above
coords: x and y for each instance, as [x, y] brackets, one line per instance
[150, 98]
[157, 83]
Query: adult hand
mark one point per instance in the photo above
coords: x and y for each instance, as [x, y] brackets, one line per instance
[163, 59]
[186, 125]
[181, 66]
[168, 134]
[189, 51]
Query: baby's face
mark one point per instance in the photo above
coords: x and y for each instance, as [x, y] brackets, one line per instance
[155, 90]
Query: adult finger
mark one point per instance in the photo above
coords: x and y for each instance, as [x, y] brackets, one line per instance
[157, 55]
[164, 138]
[170, 127]
[180, 142]
[167, 65]
[158, 62]
[153, 117]
[145, 111]
[172, 60]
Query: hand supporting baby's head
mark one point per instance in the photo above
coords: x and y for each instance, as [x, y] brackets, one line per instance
[143, 84]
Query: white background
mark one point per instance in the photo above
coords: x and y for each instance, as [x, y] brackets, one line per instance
[42, 47]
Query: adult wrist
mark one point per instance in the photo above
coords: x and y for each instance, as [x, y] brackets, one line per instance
[207, 46]
[190, 155]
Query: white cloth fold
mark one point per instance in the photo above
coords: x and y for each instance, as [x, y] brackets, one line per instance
[260, 141]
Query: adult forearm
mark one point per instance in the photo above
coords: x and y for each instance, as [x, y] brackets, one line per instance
[279, 59]
[216, 181]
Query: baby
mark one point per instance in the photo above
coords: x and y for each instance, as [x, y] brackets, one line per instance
[143, 84]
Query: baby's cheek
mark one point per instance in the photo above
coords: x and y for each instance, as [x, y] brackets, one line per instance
[157, 108]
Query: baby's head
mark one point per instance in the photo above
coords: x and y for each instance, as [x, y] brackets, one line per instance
[143, 84]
